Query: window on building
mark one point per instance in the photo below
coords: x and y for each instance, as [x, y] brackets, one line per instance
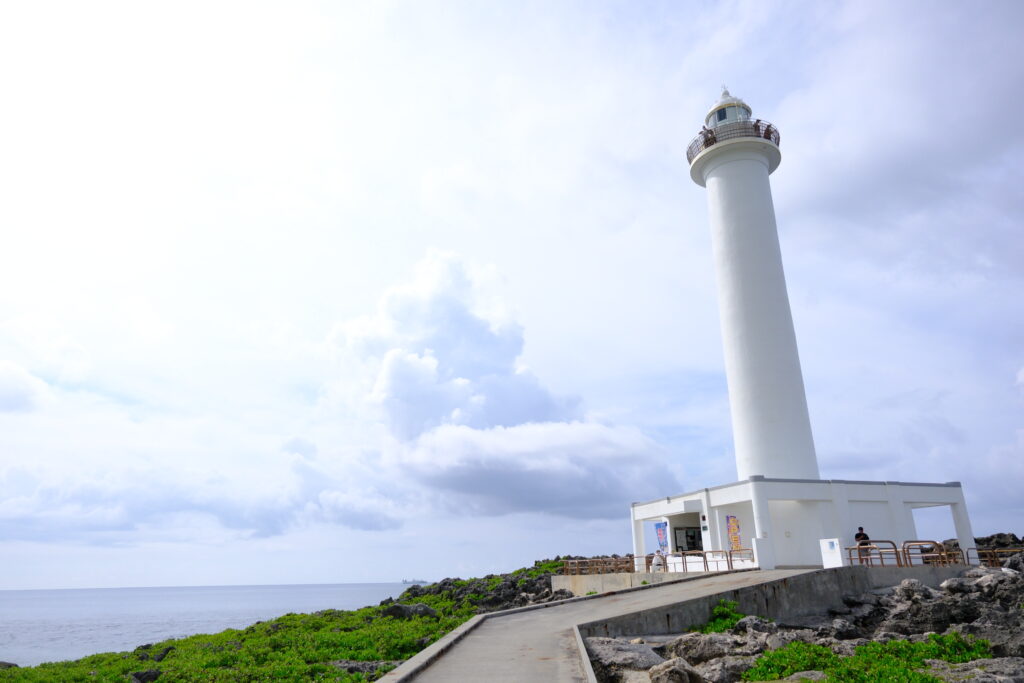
[721, 115]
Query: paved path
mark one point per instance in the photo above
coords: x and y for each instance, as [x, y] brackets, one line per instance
[539, 645]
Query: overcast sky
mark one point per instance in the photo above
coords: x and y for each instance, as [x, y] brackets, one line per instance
[298, 292]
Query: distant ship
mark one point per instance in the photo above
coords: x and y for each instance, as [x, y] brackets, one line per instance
[414, 581]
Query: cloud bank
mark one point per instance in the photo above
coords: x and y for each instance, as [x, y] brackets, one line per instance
[472, 424]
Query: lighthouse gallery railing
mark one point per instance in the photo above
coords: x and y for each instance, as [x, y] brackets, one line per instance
[730, 131]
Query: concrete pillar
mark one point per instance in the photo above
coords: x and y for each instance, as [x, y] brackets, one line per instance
[763, 543]
[712, 538]
[841, 514]
[900, 514]
[962, 524]
[763, 553]
[762, 516]
[638, 542]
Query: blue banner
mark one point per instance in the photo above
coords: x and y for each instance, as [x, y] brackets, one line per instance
[661, 528]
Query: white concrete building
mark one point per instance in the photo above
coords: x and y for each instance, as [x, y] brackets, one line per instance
[780, 507]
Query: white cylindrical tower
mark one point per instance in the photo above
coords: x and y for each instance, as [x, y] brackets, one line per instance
[732, 157]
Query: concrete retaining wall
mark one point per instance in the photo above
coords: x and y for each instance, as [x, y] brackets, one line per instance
[801, 595]
[605, 583]
[926, 574]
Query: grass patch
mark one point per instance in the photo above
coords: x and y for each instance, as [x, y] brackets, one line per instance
[897, 660]
[540, 569]
[723, 617]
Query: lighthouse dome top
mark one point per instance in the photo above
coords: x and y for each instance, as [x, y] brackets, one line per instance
[728, 126]
[727, 109]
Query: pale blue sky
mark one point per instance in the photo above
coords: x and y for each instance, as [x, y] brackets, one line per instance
[327, 293]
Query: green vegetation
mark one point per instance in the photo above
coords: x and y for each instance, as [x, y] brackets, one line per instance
[790, 659]
[897, 660]
[294, 647]
[591, 592]
[540, 569]
[723, 617]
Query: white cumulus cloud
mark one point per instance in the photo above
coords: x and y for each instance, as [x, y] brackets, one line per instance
[441, 350]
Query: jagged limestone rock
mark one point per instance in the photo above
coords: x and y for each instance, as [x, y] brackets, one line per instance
[676, 670]
[610, 657]
[728, 669]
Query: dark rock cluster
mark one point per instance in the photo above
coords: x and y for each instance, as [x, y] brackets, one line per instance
[144, 652]
[981, 602]
[147, 676]
[400, 611]
[370, 668]
[995, 542]
[495, 591]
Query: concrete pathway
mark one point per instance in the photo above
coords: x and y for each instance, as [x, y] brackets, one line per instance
[539, 645]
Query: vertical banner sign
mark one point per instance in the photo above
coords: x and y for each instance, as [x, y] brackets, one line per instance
[661, 528]
[732, 524]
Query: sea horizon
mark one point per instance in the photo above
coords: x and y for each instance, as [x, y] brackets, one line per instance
[40, 625]
[209, 585]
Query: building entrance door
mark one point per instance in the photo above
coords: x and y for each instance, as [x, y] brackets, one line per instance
[688, 538]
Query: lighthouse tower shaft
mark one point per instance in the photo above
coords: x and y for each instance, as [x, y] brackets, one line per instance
[771, 429]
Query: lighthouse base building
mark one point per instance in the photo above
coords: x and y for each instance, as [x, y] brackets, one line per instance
[783, 521]
[781, 512]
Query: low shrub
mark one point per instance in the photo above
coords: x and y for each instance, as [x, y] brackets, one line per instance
[896, 660]
[786, 661]
[723, 617]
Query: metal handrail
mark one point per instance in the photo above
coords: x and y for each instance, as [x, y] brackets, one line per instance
[869, 552]
[600, 565]
[717, 556]
[629, 565]
[741, 554]
[694, 553]
[731, 131]
[931, 552]
[990, 557]
[927, 552]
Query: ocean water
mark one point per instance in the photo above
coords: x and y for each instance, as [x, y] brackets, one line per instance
[50, 625]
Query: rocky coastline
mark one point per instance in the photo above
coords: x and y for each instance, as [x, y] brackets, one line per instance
[981, 603]
[355, 645]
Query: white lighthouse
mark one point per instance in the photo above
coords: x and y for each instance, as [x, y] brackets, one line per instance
[732, 158]
[780, 508]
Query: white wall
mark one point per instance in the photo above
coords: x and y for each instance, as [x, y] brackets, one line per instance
[745, 512]
[875, 519]
[797, 528]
